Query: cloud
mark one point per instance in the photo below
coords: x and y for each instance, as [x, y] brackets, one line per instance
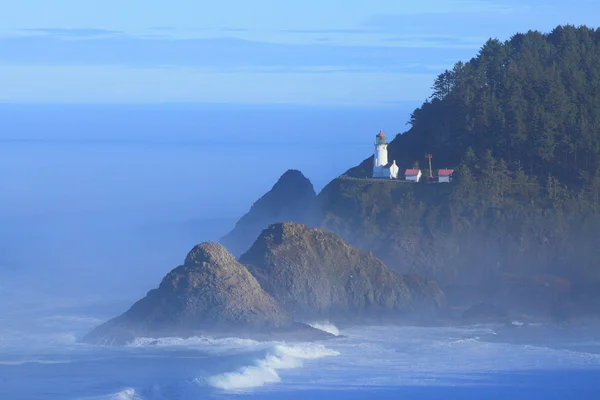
[225, 54]
[481, 6]
[331, 31]
[106, 84]
[478, 19]
[436, 41]
[73, 33]
[162, 28]
[229, 29]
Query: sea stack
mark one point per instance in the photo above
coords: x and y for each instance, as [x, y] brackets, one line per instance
[315, 274]
[211, 293]
[292, 198]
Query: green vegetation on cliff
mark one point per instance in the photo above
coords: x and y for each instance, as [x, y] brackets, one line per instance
[520, 123]
[520, 224]
[533, 101]
[489, 222]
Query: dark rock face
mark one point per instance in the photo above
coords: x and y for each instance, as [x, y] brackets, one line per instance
[426, 295]
[313, 273]
[211, 293]
[292, 198]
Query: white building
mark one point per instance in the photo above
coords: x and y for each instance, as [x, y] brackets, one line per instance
[381, 167]
[445, 175]
[412, 175]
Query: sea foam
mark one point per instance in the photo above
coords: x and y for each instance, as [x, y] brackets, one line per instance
[326, 326]
[198, 342]
[127, 394]
[264, 370]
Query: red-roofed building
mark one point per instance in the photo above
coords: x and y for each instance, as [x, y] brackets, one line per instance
[445, 175]
[412, 175]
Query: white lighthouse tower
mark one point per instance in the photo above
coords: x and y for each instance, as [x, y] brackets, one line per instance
[381, 168]
[380, 150]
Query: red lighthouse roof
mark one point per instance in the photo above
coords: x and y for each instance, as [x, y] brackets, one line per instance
[445, 172]
[381, 134]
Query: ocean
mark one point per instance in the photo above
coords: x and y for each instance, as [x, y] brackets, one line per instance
[99, 202]
[40, 358]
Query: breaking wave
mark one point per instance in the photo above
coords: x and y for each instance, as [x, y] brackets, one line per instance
[194, 340]
[264, 371]
[207, 343]
[326, 326]
[125, 394]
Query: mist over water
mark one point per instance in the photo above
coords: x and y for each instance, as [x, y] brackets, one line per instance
[98, 203]
[102, 197]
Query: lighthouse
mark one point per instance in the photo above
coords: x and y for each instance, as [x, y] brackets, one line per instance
[381, 167]
[380, 150]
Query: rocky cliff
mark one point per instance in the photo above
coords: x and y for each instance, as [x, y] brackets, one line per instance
[402, 223]
[479, 241]
[430, 235]
[315, 274]
[291, 199]
[211, 293]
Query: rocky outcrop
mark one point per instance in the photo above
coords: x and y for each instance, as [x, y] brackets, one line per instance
[291, 199]
[426, 295]
[211, 293]
[314, 274]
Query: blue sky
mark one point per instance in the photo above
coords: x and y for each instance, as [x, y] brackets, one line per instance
[262, 51]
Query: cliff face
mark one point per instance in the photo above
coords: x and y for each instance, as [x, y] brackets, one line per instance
[466, 237]
[525, 201]
[291, 199]
[430, 230]
[390, 219]
[478, 245]
[210, 293]
[313, 274]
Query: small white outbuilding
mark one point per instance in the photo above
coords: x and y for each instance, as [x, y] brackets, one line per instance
[412, 174]
[445, 175]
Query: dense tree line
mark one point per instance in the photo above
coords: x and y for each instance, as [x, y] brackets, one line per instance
[520, 124]
[533, 101]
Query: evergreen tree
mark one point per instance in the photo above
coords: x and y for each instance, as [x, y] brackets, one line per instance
[532, 100]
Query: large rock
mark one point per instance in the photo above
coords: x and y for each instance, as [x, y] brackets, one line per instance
[292, 198]
[314, 274]
[210, 294]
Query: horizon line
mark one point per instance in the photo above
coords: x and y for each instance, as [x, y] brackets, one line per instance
[383, 104]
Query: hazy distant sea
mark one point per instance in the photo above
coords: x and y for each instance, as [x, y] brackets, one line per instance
[97, 203]
[90, 191]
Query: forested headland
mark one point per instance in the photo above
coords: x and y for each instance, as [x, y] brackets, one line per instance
[532, 101]
[520, 223]
[520, 124]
